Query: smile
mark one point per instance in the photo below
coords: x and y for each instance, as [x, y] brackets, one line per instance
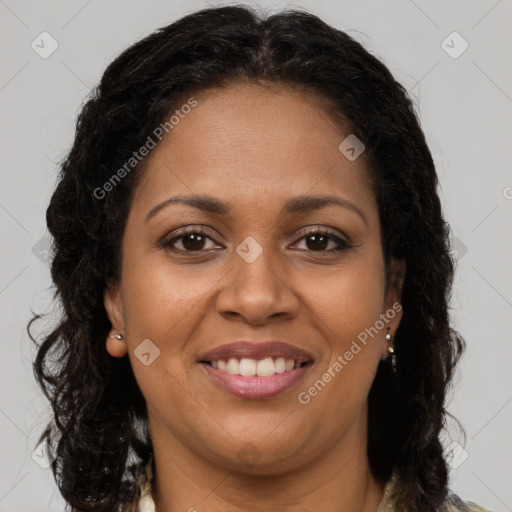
[255, 370]
[255, 387]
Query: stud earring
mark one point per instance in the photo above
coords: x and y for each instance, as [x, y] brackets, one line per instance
[391, 350]
[116, 346]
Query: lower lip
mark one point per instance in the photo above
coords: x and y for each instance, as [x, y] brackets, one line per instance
[257, 387]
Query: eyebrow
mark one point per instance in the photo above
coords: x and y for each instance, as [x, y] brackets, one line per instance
[295, 205]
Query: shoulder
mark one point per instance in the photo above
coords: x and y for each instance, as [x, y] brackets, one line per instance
[454, 504]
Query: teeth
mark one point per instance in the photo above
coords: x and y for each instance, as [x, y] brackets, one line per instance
[265, 367]
[233, 366]
[280, 364]
[247, 367]
[251, 367]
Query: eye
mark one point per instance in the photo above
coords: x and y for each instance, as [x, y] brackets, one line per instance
[190, 240]
[195, 240]
[318, 240]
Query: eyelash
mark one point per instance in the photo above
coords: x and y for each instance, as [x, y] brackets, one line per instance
[342, 244]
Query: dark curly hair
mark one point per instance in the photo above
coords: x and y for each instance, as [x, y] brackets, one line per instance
[99, 433]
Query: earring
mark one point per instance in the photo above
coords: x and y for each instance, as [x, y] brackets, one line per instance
[391, 350]
[116, 346]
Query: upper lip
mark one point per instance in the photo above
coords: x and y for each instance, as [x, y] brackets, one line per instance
[257, 350]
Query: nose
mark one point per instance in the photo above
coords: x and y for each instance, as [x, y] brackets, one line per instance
[258, 292]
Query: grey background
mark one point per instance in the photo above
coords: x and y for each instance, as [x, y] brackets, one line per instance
[465, 107]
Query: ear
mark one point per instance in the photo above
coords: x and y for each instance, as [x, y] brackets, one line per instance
[113, 306]
[396, 278]
[392, 304]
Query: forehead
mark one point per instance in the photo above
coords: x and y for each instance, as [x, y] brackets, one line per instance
[250, 142]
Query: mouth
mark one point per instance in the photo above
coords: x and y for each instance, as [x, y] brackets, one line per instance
[256, 370]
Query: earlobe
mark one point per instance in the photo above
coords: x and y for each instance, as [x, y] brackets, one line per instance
[115, 343]
[394, 310]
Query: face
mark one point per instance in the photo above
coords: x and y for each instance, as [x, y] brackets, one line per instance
[292, 279]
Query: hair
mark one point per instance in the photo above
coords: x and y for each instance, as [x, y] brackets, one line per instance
[99, 431]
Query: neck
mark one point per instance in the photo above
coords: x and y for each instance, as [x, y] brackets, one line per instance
[338, 480]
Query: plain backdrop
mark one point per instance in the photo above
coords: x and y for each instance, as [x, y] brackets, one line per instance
[464, 97]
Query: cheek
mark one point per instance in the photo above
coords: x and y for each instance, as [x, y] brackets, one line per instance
[165, 305]
[347, 312]
[348, 299]
[358, 305]
[160, 299]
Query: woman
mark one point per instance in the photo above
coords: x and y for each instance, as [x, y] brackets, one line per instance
[254, 270]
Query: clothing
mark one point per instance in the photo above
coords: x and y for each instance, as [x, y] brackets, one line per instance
[452, 504]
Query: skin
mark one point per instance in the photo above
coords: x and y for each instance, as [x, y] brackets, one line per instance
[255, 147]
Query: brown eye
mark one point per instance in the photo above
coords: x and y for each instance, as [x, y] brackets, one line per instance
[193, 241]
[190, 241]
[318, 241]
